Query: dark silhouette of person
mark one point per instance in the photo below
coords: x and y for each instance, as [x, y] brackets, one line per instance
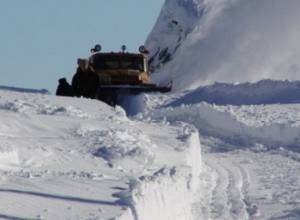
[85, 82]
[64, 88]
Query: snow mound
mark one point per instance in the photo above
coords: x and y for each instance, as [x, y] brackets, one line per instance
[199, 42]
[262, 92]
[274, 126]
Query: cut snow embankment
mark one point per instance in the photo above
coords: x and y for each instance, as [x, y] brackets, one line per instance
[261, 92]
[167, 193]
[233, 124]
[245, 122]
[75, 158]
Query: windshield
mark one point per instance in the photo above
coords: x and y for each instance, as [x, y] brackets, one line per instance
[117, 61]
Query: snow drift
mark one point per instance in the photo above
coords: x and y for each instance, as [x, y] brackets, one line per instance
[233, 125]
[262, 92]
[266, 112]
[198, 42]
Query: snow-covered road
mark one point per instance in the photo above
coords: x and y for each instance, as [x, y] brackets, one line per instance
[244, 184]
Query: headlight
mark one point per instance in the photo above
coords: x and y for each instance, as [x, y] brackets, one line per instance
[98, 47]
[143, 50]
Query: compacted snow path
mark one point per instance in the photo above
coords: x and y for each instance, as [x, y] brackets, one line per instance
[249, 184]
[228, 198]
[228, 192]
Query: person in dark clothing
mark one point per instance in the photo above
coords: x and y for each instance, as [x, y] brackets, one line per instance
[85, 82]
[64, 88]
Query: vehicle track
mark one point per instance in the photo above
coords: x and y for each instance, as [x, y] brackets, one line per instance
[227, 198]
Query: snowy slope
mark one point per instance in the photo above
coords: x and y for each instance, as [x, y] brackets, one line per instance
[198, 42]
[69, 158]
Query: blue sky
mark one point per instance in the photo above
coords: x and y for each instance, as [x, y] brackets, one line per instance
[42, 39]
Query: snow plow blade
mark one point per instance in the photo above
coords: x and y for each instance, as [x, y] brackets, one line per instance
[135, 89]
[111, 94]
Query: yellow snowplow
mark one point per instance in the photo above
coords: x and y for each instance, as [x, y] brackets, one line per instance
[120, 73]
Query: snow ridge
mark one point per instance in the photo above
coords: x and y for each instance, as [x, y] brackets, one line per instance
[246, 113]
[224, 122]
[262, 92]
[167, 193]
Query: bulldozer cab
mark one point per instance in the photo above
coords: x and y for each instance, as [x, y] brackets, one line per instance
[112, 61]
[120, 68]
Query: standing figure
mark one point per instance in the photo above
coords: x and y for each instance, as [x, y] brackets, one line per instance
[85, 82]
[64, 88]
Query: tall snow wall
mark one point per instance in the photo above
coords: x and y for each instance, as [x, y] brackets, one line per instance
[168, 193]
[198, 42]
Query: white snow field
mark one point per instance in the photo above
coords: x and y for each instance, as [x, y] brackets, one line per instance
[71, 158]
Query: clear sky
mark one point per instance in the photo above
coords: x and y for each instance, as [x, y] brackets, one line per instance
[40, 40]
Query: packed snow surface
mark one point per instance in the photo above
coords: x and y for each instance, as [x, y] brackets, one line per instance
[199, 42]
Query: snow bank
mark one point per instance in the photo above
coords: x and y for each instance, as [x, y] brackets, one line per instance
[262, 92]
[167, 193]
[199, 42]
[274, 125]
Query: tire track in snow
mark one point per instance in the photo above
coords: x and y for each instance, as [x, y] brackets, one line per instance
[235, 193]
[208, 181]
[219, 206]
[230, 196]
[251, 208]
